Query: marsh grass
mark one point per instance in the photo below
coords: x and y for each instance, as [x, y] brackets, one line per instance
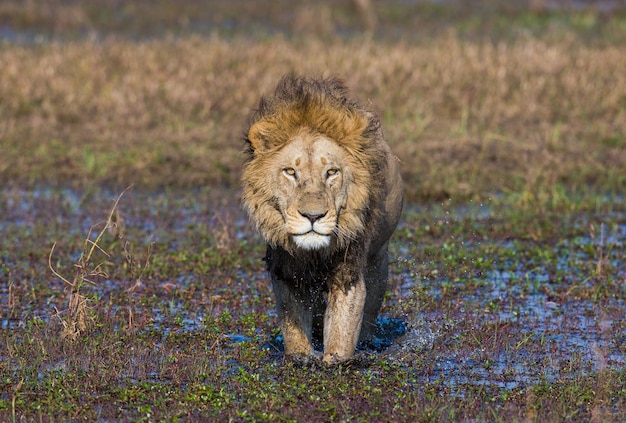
[469, 118]
[523, 325]
[89, 269]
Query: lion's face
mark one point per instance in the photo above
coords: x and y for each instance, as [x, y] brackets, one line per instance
[311, 180]
[304, 195]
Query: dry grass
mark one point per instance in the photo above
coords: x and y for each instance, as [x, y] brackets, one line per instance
[76, 320]
[465, 117]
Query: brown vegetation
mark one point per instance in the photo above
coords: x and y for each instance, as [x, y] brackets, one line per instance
[465, 117]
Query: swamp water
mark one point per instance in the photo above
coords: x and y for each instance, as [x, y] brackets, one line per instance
[469, 304]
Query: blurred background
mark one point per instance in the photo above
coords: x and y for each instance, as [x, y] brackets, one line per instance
[478, 98]
[24, 20]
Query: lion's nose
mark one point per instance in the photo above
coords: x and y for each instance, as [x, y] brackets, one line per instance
[313, 216]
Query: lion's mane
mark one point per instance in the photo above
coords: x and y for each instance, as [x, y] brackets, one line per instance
[322, 106]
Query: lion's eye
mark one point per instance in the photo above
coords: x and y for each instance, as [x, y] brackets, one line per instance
[331, 172]
[290, 171]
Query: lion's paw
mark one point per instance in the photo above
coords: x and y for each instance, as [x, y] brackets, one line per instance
[313, 359]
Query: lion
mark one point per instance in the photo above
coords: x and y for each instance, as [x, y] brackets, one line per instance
[324, 190]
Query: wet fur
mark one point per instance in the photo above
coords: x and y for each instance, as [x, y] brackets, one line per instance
[324, 288]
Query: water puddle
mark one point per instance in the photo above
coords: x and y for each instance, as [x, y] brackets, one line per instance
[536, 314]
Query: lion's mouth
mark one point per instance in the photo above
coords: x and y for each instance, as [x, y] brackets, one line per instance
[311, 240]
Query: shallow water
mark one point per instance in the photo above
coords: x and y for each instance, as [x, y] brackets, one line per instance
[558, 334]
[537, 321]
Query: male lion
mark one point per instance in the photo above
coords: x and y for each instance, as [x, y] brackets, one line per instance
[324, 190]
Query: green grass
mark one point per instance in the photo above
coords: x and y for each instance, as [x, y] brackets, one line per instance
[184, 324]
[508, 265]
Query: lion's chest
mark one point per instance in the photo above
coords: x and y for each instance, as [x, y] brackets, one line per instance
[311, 272]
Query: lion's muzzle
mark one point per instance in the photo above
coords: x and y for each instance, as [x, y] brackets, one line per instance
[313, 222]
[313, 217]
[312, 230]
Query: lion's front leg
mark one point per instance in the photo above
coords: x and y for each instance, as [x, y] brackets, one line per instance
[296, 318]
[342, 321]
[376, 275]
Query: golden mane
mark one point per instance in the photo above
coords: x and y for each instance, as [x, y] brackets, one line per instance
[319, 105]
[314, 105]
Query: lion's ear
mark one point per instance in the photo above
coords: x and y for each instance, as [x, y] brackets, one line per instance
[257, 135]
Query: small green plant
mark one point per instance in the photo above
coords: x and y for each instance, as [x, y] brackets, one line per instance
[602, 263]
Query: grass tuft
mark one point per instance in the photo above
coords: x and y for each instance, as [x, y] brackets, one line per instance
[77, 319]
